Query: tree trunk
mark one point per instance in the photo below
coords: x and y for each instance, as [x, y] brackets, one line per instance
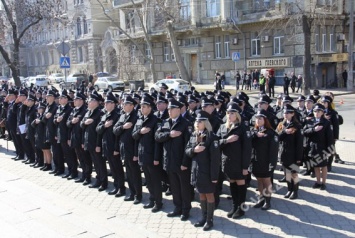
[307, 77]
[174, 45]
[15, 69]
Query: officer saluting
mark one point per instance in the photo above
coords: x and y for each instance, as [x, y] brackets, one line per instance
[174, 133]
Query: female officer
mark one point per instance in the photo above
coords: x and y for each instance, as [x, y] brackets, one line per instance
[291, 139]
[235, 142]
[203, 149]
[331, 115]
[265, 148]
[320, 142]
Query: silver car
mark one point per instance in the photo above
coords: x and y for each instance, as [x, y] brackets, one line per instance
[111, 82]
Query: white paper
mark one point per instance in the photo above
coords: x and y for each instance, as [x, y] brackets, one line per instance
[22, 128]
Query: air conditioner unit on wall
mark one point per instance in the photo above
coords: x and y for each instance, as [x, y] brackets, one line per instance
[265, 38]
[341, 37]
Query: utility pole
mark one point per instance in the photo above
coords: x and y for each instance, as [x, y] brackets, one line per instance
[350, 81]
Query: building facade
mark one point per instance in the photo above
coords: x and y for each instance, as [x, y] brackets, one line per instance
[260, 33]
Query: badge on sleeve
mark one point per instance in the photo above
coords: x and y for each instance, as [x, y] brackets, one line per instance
[189, 128]
[215, 143]
[276, 138]
[248, 134]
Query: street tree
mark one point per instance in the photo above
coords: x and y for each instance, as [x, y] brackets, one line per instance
[17, 18]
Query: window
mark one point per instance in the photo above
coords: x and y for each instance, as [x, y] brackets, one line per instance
[213, 8]
[316, 36]
[168, 52]
[278, 45]
[80, 55]
[148, 53]
[218, 47]
[85, 26]
[78, 26]
[185, 12]
[255, 47]
[324, 42]
[226, 47]
[133, 54]
[332, 40]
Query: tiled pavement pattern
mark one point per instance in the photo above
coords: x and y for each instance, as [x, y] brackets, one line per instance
[36, 204]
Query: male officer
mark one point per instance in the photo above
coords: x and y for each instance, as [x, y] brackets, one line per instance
[105, 133]
[60, 119]
[143, 133]
[30, 116]
[92, 142]
[126, 146]
[174, 133]
[76, 132]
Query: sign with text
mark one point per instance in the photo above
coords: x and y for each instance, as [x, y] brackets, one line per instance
[268, 63]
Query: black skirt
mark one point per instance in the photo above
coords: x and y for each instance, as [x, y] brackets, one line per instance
[210, 188]
[263, 175]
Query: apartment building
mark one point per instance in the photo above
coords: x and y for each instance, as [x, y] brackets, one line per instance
[209, 32]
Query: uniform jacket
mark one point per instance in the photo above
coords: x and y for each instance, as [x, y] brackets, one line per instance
[40, 131]
[319, 142]
[31, 114]
[21, 114]
[174, 148]
[291, 149]
[106, 134]
[63, 133]
[11, 118]
[90, 139]
[265, 151]
[236, 155]
[51, 130]
[146, 147]
[124, 138]
[75, 130]
[205, 165]
[334, 122]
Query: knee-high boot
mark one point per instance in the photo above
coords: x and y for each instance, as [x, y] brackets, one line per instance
[242, 193]
[289, 189]
[234, 193]
[202, 222]
[209, 220]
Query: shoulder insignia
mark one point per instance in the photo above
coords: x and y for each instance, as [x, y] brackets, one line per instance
[276, 138]
[248, 134]
[215, 143]
[189, 128]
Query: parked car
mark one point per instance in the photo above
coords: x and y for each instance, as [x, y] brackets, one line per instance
[107, 81]
[179, 85]
[56, 78]
[39, 81]
[74, 81]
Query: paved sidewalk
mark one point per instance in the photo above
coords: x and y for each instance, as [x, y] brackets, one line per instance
[36, 204]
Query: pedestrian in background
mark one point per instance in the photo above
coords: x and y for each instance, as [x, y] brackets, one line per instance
[286, 84]
[299, 83]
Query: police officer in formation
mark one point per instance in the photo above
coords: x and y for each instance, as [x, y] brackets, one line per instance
[180, 141]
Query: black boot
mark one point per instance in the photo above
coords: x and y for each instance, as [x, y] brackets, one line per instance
[260, 202]
[338, 160]
[234, 189]
[202, 222]
[289, 189]
[267, 204]
[295, 191]
[209, 220]
[48, 168]
[242, 193]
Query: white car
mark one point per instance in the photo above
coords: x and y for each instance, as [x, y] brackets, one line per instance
[56, 78]
[39, 81]
[107, 81]
[179, 85]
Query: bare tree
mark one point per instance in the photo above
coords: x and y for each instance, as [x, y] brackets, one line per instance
[299, 18]
[141, 13]
[18, 16]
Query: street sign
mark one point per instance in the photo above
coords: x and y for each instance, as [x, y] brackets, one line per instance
[64, 62]
[236, 56]
[63, 48]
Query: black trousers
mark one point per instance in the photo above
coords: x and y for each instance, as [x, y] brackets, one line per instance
[27, 147]
[116, 168]
[272, 90]
[57, 156]
[81, 154]
[87, 165]
[17, 143]
[179, 182]
[134, 177]
[39, 156]
[262, 88]
[152, 175]
[286, 89]
[100, 167]
[69, 158]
